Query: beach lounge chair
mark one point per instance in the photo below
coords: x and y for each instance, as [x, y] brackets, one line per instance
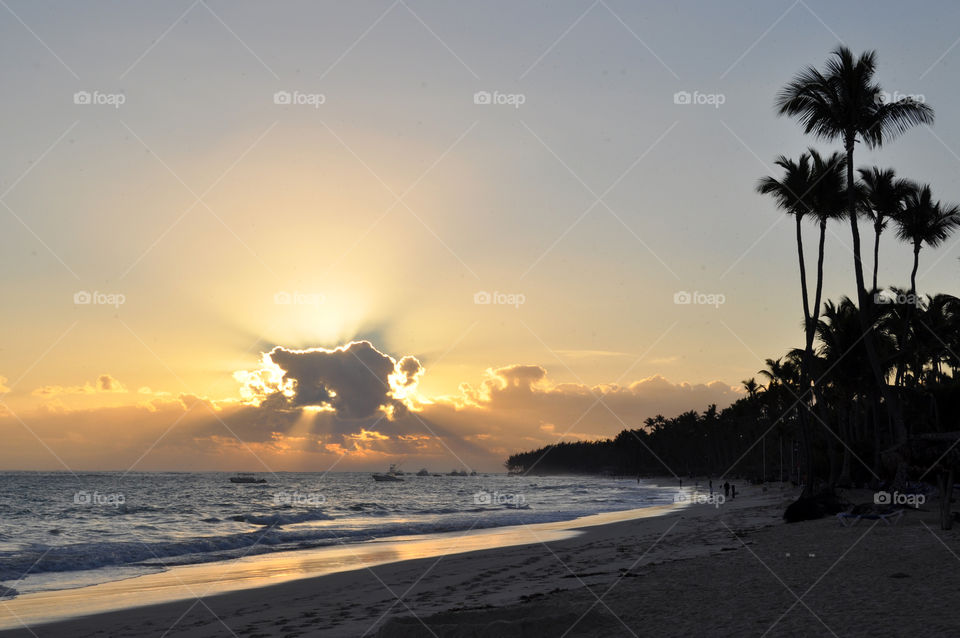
[849, 519]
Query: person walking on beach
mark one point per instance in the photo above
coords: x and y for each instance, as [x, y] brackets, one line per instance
[711, 487]
[733, 492]
[726, 489]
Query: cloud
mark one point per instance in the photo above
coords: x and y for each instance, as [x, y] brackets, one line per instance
[354, 406]
[409, 371]
[516, 399]
[356, 381]
[3, 385]
[104, 384]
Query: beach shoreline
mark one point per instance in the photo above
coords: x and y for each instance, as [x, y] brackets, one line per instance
[108, 604]
[738, 568]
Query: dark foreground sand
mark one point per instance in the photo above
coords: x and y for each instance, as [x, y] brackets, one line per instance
[733, 571]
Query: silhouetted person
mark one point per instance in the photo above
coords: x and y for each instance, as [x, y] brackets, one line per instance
[733, 492]
[711, 487]
[726, 489]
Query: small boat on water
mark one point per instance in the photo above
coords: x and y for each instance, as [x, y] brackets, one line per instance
[246, 478]
[391, 475]
[423, 472]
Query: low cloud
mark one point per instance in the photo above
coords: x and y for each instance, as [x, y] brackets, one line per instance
[352, 408]
[104, 383]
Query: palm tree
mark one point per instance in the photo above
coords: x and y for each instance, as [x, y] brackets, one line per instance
[811, 186]
[792, 193]
[751, 386]
[782, 372]
[923, 221]
[844, 102]
[883, 194]
[898, 324]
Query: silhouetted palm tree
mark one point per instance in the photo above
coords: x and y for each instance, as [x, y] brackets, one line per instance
[812, 186]
[751, 386]
[883, 194]
[923, 221]
[784, 371]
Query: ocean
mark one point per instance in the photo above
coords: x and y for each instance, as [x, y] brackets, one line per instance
[60, 530]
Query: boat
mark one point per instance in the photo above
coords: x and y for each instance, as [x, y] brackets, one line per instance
[423, 472]
[243, 477]
[391, 475]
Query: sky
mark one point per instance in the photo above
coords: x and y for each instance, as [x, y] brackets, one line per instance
[514, 196]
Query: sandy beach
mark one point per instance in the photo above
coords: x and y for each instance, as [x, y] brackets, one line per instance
[736, 569]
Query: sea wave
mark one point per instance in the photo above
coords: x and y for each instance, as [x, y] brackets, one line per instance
[286, 518]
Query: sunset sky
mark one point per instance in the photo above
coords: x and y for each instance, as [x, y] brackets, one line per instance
[158, 242]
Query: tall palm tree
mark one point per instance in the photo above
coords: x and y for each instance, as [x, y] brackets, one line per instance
[924, 221]
[845, 103]
[793, 194]
[883, 194]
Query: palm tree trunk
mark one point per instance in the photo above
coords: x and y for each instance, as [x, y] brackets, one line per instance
[878, 228]
[913, 273]
[803, 272]
[806, 435]
[811, 332]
